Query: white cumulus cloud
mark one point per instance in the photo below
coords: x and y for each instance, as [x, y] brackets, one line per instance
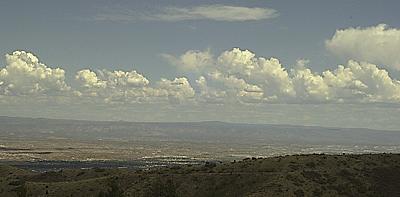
[24, 74]
[131, 87]
[376, 44]
[240, 76]
[178, 89]
[192, 60]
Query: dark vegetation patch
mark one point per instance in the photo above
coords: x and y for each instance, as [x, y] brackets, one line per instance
[296, 175]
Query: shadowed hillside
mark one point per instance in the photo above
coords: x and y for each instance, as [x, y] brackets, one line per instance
[297, 175]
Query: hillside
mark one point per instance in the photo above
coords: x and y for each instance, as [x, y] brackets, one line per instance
[296, 175]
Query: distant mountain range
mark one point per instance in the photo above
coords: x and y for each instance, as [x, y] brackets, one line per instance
[211, 131]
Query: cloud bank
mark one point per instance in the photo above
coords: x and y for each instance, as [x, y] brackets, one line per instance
[214, 12]
[377, 44]
[25, 76]
[130, 87]
[240, 76]
[235, 76]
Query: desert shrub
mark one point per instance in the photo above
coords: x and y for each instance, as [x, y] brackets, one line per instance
[314, 176]
[295, 180]
[345, 173]
[99, 170]
[176, 167]
[162, 188]
[344, 189]
[102, 194]
[115, 191]
[210, 164]
[317, 192]
[22, 190]
[331, 180]
[294, 167]
[15, 182]
[310, 164]
[299, 193]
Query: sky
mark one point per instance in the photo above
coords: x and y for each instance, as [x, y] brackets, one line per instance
[325, 63]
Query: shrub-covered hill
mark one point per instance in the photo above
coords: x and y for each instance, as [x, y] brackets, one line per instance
[296, 175]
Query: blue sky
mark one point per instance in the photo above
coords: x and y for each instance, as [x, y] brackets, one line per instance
[62, 32]
[139, 35]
